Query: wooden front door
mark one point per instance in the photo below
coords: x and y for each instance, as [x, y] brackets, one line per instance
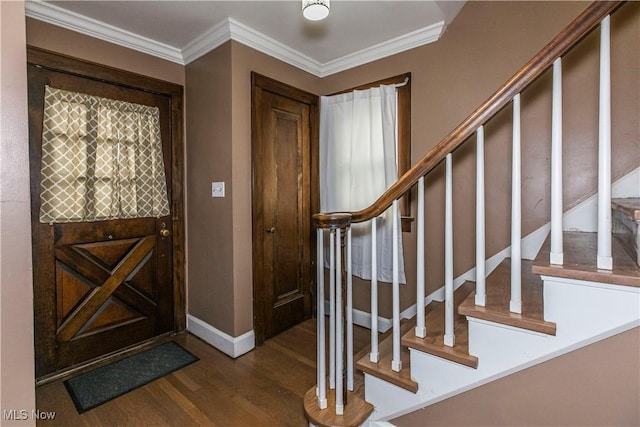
[284, 144]
[103, 286]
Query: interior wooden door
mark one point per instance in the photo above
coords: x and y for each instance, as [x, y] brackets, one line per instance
[282, 206]
[101, 286]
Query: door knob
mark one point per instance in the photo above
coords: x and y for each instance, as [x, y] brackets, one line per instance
[271, 230]
[164, 232]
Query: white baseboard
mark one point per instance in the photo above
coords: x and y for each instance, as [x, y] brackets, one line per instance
[362, 318]
[227, 344]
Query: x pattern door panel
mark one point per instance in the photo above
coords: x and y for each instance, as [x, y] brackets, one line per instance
[111, 290]
[103, 285]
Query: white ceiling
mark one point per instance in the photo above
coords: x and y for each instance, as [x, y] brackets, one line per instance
[355, 32]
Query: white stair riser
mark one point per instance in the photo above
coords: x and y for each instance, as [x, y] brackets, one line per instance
[388, 397]
[582, 309]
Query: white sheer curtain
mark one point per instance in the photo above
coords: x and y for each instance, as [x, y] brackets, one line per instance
[357, 164]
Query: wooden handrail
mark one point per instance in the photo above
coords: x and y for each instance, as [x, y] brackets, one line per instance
[561, 44]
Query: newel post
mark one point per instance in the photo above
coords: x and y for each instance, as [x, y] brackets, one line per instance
[338, 225]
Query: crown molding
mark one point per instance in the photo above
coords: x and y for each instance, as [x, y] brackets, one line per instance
[229, 29]
[207, 41]
[262, 43]
[390, 47]
[60, 17]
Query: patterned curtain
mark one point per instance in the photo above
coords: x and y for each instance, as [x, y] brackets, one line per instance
[101, 159]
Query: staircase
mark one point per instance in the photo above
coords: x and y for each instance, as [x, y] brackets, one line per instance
[578, 288]
[563, 308]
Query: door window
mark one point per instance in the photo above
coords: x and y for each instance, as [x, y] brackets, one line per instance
[101, 159]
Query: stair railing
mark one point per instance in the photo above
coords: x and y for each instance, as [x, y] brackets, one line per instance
[338, 224]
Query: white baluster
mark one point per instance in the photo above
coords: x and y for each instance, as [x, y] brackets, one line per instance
[332, 309]
[515, 305]
[322, 364]
[349, 315]
[374, 356]
[421, 330]
[556, 255]
[480, 232]
[339, 325]
[396, 362]
[449, 337]
[605, 261]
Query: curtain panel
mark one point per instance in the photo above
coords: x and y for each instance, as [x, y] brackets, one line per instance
[358, 162]
[101, 160]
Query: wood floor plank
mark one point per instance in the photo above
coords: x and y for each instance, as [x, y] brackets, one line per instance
[238, 389]
[183, 409]
[264, 387]
[187, 381]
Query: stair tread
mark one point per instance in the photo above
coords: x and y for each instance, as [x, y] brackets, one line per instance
[630, 206]
[433, 342]
[383, 370]
[580, 254]
[498, 291]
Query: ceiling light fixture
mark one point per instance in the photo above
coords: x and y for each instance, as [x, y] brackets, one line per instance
[315, 10]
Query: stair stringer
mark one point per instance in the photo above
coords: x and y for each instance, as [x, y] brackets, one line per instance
[584, 312]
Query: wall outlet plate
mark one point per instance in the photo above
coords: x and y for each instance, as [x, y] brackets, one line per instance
[217, 189]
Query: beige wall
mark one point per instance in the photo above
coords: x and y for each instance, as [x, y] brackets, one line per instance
[16, 294]
[220, 240]
[210, 274]
[598, 385]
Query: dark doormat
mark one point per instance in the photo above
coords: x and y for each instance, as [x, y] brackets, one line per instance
[103, 384]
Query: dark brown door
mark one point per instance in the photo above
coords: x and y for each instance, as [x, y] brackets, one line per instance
[99, 287]
[283, 143]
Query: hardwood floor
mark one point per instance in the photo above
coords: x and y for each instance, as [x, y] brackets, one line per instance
[264, 387]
